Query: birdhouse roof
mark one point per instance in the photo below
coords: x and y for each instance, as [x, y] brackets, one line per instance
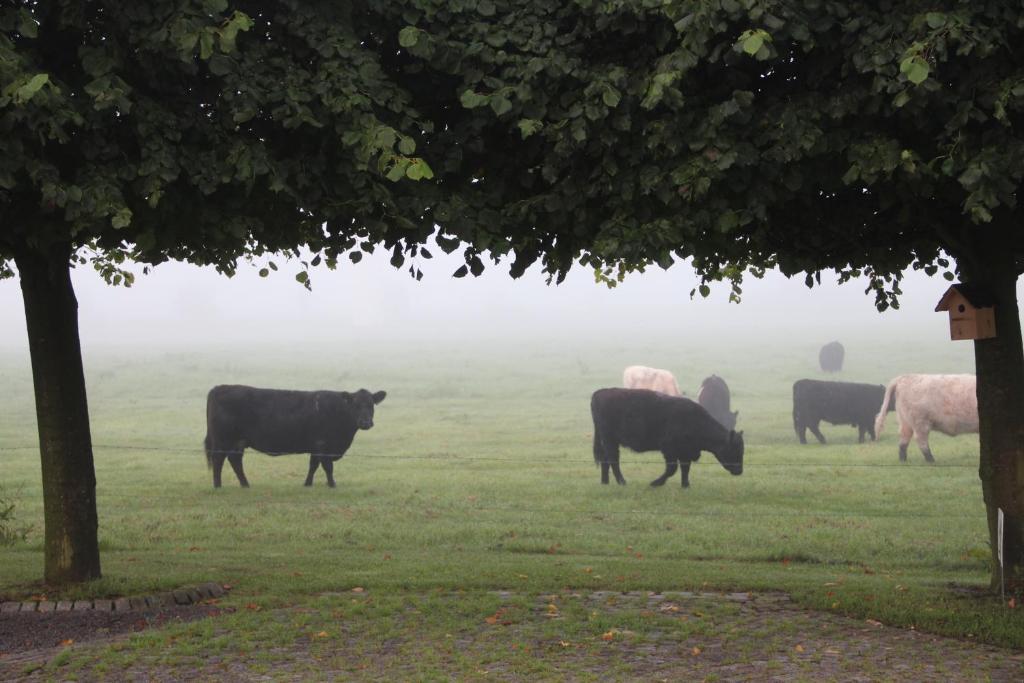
[976, 296]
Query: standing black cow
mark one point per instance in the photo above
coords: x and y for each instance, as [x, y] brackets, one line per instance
[714, 397]
[830, 358]
[644, 420]
[279, 422]
[838, 403]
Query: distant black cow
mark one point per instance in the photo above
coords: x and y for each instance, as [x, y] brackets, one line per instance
[830, 358]
[279, 422]
[838, 403]
[714, 397]
[644, 420]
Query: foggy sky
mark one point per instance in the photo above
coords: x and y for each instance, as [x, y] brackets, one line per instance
[183, 306]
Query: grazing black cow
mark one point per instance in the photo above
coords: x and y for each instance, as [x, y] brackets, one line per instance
[838, 403]
[279, 422]
[830, 358]
[714, 396]
[644, 420]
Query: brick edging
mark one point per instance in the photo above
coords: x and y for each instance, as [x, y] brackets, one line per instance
[175, 598]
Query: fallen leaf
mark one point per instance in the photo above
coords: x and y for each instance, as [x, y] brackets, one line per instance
[321, 634]
[69, 641]
[358, 589]
[253, 606]
[799, 648]
[195, 549]
[587, 570]
[608, 635]
[873, 622]
[564, 643]
[695, 651]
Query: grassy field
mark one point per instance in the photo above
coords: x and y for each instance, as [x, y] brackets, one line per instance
[478, 477]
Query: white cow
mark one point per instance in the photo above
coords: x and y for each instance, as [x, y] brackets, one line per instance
[642, 377]
[945, 403]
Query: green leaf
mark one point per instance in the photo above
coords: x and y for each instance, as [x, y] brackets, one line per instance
[705, 291]
[528, 127]
[611, 96]
[220, 65]
[935, 19]
[414, 171]
[397, 171]
[407, 146]
[205, 44]
[264, 272]
[302, 277]
[408, 36]
[471, 100]
[753, 43]
[486, 8]
[901, 99]
[355, 256]
[121, 219]
[461, 272]
[28, 91]
[915, 68]
[500, 104]
[27, 25]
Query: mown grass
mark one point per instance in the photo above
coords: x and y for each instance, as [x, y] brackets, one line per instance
[478, 476]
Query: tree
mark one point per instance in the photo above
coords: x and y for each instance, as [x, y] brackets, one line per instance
[185, 130]
[861, 137]
[864, 138]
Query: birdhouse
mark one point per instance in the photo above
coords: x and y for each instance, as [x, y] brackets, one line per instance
[971, 312]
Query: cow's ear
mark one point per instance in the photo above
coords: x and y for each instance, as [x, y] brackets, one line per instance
[379, 396]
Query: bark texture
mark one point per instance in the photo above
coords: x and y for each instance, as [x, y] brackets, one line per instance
[1000, 369]
[65, 443]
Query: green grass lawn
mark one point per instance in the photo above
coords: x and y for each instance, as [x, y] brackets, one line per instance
[478, 477]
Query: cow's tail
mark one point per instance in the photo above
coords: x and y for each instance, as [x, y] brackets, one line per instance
[207, 442]
[796, 411]
[880, 418]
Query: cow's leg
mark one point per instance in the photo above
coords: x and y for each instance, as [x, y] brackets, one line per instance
[860, 433]
[922, 443]
[314, 462]
[328, 465]
[612, 453]
[684, 468]
[235, 458]
[906, 431]
[817, 432]
[801, 432]
[670, 468]
[600, 457]
[217, 463]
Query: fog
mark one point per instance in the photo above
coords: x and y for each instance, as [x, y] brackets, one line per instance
[184, 307]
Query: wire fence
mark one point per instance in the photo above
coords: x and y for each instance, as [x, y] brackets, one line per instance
[471, 458]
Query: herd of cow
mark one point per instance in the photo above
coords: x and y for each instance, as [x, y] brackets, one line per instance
[648, 414]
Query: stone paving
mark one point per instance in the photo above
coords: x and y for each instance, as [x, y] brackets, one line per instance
[182, 596]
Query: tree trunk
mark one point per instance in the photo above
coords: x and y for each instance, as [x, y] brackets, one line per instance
[65, 445]
[999, 364]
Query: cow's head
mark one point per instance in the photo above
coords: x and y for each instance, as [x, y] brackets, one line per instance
[362, 407]
[731, 456]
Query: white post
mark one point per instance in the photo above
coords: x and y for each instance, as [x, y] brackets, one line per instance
[999, 551]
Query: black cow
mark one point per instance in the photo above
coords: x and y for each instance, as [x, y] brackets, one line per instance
[279, 422]
[644, 420]
[830, 358]
[714, 397]
[838, 403]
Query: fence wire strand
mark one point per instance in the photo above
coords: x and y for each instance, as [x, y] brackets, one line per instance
[470, 458]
